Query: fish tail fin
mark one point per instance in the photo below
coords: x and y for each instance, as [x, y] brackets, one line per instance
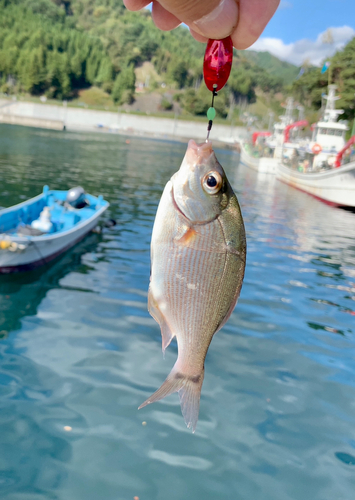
[189, 395]
[189, 389]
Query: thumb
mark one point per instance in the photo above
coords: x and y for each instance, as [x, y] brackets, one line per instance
[211, 18]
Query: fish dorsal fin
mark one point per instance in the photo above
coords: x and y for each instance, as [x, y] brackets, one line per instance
[154, 310]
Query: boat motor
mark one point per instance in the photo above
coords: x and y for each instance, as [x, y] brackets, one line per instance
[76, 197]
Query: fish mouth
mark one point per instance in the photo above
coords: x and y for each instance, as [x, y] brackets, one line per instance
[204, 146]
[200, 151]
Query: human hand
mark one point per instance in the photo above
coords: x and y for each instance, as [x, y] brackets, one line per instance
[244, 20]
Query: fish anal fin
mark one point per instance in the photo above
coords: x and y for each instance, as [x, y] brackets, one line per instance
[189, 389]
[155, 311]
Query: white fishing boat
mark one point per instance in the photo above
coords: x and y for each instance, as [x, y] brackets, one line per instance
[36, 231]
[325, 168]
[258, 157]
[263, 152]
[328, 136]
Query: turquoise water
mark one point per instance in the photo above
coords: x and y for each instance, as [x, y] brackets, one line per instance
[79, 352]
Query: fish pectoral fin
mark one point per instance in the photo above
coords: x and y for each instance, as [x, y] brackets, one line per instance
[189, 389]
[166, 333]
[203, 238]
[188, 237]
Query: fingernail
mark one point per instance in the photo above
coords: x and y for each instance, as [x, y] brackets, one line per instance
[220, 22]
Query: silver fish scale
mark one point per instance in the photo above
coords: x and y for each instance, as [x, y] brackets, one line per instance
[195, 279]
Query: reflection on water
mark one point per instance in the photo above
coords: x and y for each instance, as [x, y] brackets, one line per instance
[22, 293]
[79, 351]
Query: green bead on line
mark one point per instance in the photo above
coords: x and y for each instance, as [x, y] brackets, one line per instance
[211, 113]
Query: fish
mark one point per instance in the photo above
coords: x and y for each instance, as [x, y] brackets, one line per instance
[198, 255]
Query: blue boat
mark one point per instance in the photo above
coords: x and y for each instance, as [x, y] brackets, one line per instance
[36, 231]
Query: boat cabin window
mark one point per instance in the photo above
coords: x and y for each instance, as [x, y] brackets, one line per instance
[330, 131]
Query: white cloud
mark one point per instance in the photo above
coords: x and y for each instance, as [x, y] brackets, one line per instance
[297, 52]
[285, 4]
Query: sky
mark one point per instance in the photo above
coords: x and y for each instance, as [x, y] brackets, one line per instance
[296, 31]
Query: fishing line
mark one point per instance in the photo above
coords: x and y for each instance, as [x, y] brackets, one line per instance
[211, 113]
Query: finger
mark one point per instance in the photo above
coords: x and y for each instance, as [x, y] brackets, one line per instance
[253, 17]
[163, 19]
[210, 18]
[198, 37]
[136, 4]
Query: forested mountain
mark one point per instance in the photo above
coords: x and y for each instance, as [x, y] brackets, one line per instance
[286, 71]
[56, 47]
[59, 47]
[42, 50]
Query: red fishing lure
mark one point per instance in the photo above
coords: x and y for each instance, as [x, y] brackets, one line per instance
[217, 66]
[217, 63]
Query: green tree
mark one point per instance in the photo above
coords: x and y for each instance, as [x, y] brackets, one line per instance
[161, 60]
[342, 67]
[241, 84]
[58, 82]
[197, 102]
[178, 71]
[308, 89]
[92, 65]
[105, 74]
[34, 72]
[124, 86]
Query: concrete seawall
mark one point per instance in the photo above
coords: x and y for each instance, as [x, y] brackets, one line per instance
[31, 122]
[57, 117]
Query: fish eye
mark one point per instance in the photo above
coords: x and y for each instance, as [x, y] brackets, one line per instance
[212, 182]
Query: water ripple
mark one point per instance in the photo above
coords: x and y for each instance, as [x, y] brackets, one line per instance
[79, 352]
[190, 462]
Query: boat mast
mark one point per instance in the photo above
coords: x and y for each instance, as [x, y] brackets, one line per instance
[288, 116]
[330, 113]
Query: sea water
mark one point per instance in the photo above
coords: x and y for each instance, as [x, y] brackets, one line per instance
[79, 352]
